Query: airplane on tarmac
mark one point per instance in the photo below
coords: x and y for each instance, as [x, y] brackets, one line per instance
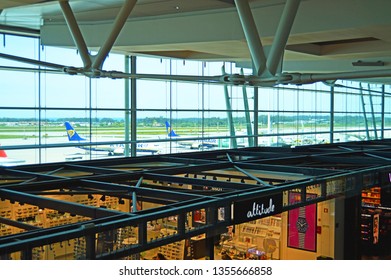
[6, 161]
[109, 149]
[192, 144]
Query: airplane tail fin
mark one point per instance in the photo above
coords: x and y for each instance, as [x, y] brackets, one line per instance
[72, 134]
[3, 154]
[170, 131]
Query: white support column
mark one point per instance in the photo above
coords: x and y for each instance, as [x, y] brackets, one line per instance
[117, 27]
[76, 33]
[247, 114]
[95, 62]
[282, 35]
[251, 33]
[228, 107]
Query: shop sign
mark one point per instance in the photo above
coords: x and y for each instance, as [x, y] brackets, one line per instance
[257, 208]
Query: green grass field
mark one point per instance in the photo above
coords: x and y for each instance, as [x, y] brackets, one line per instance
[26, 131]
[31, 131]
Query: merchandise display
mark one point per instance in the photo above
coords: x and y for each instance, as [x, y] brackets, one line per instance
[258, 239]
[371, 197]
[375, 223]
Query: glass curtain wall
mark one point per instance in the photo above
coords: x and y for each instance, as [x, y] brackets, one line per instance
[169, 116]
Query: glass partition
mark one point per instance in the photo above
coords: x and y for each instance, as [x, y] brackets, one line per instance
[35, 106]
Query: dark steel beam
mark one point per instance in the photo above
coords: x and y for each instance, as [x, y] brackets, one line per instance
[17, 224]
[61, 206]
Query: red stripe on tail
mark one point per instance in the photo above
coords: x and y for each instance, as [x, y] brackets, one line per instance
[3, 154]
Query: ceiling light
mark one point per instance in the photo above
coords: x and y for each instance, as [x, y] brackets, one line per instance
[368, 63]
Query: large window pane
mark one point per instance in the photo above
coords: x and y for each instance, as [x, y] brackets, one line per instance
[34, 108]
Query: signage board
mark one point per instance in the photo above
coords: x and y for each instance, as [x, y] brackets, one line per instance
[257, 208]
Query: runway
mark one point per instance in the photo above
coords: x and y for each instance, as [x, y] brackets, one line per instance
[62, 154]
[32, 155]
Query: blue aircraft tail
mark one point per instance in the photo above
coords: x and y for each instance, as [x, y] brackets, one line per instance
[170, 131]
[72, 134]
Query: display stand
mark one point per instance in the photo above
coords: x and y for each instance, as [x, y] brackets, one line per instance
[371, 197]
[172, 251]
[255, 233]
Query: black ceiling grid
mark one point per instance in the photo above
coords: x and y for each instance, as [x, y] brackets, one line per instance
[179, 184]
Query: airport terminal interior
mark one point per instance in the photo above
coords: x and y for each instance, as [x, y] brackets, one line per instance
[195, 130]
